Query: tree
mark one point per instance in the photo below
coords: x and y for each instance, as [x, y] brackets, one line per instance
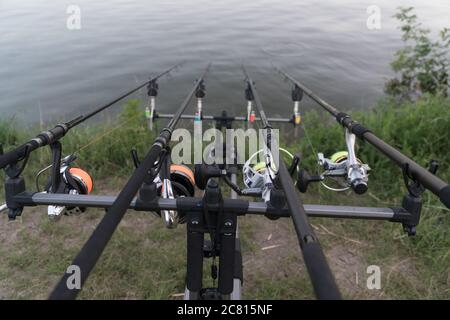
[423, 64]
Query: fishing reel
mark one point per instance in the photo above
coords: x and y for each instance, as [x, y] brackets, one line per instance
[180, 183]
[342, 171]
[258, 177]
[171, 181]
[71, 180]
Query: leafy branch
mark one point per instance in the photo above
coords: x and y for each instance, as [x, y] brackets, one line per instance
[422, 64]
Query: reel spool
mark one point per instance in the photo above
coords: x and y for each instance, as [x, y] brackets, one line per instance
[340, 156]
[72, 181]
[182, 179]
[182, 184]
[254, 173]
[258, 177]
[82, 179]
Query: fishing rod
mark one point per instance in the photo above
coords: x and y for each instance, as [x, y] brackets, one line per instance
[52, 135]
[93, 248]
[321, 277]
[424, 177]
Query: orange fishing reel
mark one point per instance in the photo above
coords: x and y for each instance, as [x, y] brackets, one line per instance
[71, 180]
[179, 182]
[182, 179]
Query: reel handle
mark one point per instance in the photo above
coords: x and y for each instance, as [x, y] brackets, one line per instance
[204, 172]
[359, 186]
[304, 179]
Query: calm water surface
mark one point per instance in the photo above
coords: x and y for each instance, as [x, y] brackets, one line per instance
[52, 73]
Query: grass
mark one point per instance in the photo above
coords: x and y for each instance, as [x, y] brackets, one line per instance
[144, 260]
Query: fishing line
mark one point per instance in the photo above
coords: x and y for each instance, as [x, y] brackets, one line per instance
[310, 142]
[103, 135]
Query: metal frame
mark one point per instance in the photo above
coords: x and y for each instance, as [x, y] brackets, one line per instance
[220, 118]
[29, 199]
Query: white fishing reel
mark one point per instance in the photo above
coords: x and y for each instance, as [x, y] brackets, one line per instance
[345, 168]
[345, 175]
[258, 176]
[342, 171]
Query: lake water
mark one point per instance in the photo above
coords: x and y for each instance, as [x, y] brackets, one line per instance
[53, 73]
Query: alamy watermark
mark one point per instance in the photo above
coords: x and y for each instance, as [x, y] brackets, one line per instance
[213, 146]
[73, 281]
[373, 21]
[373, 280]
[73, 21]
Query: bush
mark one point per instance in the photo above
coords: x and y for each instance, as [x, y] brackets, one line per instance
[422, 64]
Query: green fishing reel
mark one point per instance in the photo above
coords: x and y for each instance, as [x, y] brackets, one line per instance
[340, 173]
[258, 176]
[340, 170]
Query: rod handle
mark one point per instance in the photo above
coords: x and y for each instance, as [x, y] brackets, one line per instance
[444, 196]
[322, 279]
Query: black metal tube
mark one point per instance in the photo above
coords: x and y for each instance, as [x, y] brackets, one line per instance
[93, 248]
[321, 277]
[194, 251]
[56, 133]
[430, 181]
[320, 273]
[219, 118]
[227, 230]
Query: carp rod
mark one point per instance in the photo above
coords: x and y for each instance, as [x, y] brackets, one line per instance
[52, 135]
[320, 274]
[93, 248]
[426, 178]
